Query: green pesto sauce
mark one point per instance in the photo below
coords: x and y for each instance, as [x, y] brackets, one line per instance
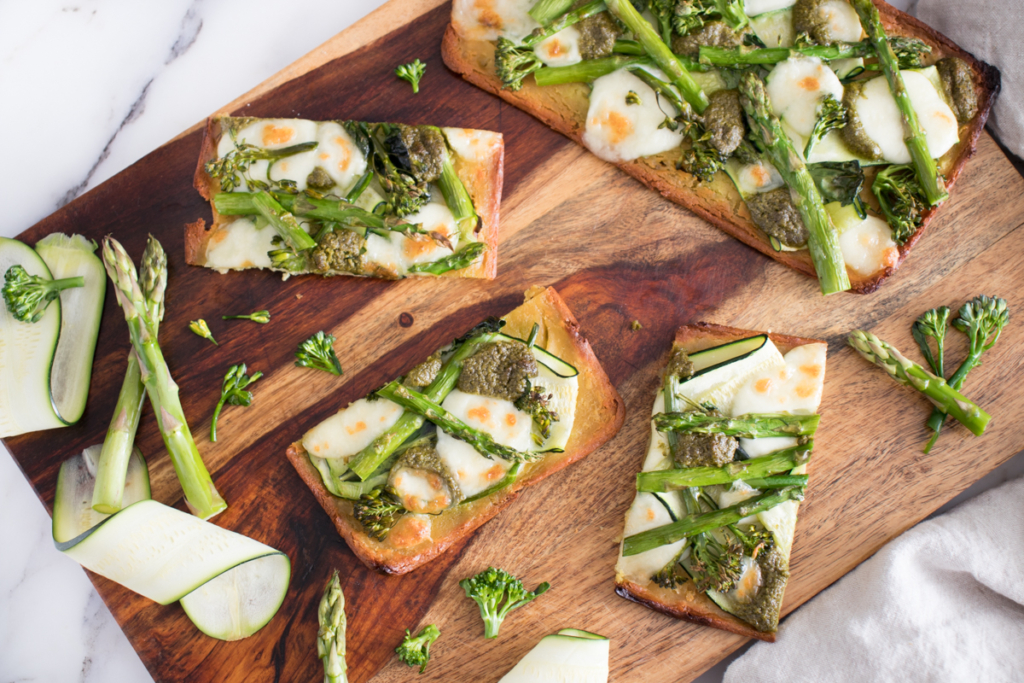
[958, 81]
[763, 611]
[427, 149]
[723, 119]
[853, 132]
[705, 450]
[340, 251]
[809, 17]
[424, 458]
[499, 370]
[712, 34]
[424, 373]
[775, 214]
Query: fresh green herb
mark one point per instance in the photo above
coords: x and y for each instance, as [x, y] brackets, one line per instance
[202, 329]
[27, 296]
[317, 353]
[902, 202]
[497, 593]
[330, 638]
[831, 115]
[840, 181]
[261, 317]
[412, 72]
[233, 392]
[535, 404]
[415, 650]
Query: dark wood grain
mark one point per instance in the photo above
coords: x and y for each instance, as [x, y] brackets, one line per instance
[617, 253]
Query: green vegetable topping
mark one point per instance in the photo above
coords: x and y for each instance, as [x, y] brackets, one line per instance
[415, 650]
[317, 353]
[261, 317]
[412, 72]
[233, 393]
[901, 199]
[500, 370]
[636, 326]
[202, 329]
[378, 511]
[27, 296]
[831, 116]
[932, 323]
[233, 167]
[497, 593]
[330, 639]
[633, 98]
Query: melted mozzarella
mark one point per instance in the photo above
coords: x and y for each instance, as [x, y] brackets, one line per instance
[491, 19]
[338, 156]
[755, 448]
[474, 472]
[842, 20]
[616, 131]
[472, 145]
[561, 49]
[508, 425]
[351, 429]
[277, 134]
[720, 387]
[749, 582]
[794, 388]
[410, 531]
[396, 252]
[564, 392]
[797, 86]
[755, 7]
[647, 513]
[759, 177]
[880, 117]
[775, 29]
[868, 247]
[239, 244]
[420, 491]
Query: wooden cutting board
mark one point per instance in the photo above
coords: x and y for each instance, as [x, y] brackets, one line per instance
[617, 253]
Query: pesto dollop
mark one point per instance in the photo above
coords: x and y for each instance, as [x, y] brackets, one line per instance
[776, 215]
[713, 33]
[679, 365]
[762, 611]
[811, 17]
[340, 251]
[598, 34]
[499, 370]
[319, 180]
[423, 461]
[853, 132]
[426, 148]
[723, 119]
[705, 450]
[424, 373]
[958, 82]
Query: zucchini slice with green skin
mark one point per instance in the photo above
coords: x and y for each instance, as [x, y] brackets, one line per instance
[570, 656]
[549, 360]
[716, 357]
[228, 584]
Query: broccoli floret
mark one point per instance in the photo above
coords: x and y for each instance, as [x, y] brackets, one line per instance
[535, 404]
[497, 593]
[27, 296]
[840, 181]
[412, 72]
[932, 323]
[378, 511]
[415, 650]
[902, 200]
[317, 353]
[831, 116]
[514, 62]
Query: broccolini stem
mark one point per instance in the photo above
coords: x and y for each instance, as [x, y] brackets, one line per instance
[463, 258]
[905, 371]
[564, 21]
[823, 241]
[282, 221]
[652, 43]
[456, 196]
[506, 481]
[692, 525]
[741, 470]
[587, 71]
[330, 638]
[752, 426]
[927, 174]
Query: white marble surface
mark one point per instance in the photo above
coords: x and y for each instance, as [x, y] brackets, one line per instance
[100, 84]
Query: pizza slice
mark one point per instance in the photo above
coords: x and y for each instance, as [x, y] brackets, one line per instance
[348, 198]
[428, 458]
[709, 534]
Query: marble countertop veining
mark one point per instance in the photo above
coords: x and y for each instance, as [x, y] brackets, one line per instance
[106, 82]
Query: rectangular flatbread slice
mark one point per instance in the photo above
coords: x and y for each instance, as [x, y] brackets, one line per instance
[542, 406]
[732, 577]
[348, 198]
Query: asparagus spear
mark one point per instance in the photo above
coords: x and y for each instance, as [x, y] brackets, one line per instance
[745, 470]
[694, 524]
[823, 241]
[458, 260]
[588, 70]
[200, 493]
[112, 466]
[982, 319]
[330, 639]
[282, 221]
[908, 53]
[341, 211]
[652, 43]
[910, 373]
[927, 174]
[752, 426]
[484, 443]
[456, 197]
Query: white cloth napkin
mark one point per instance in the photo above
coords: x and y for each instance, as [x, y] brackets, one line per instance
[991, 31]
[943, 602]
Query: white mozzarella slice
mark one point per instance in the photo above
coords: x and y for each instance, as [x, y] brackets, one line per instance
[759, 177]
[719, 387]
[564, 392]
[276, 134]
[868, 247]
[755, 7]
[794, 388]
[396, 252]
[842, 20]
[339, 156]
[749, 583]
[657, 450]
[796, 88]
[735, 495]
[781, 521]
[239, 244]
[876, 108]
[492, 19]
[756, 448]
[472, 145]
[351, 429]
[420, 491]
[561, 49]
[474, 472]
[646, 513]
[775, 29]
[617, 131]
[508, 425]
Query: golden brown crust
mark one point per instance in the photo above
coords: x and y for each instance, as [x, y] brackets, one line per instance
[599, 415]
[686, 602]
[483, 178]
[719, 203]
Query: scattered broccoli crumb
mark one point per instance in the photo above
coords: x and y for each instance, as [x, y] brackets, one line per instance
[636, 326]
[415, 650]
[202, 329]
[633, 98]
[317, 353]
[412, 72]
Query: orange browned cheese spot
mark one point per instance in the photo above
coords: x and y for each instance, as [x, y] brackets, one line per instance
[218, 237]
[761, 175]
[619, 126]
[763, 385]
[324, 156]
[494, 473]
[510, 419]
[809, 83]
[346, 156]
[650, 514]
[409, 531]
[417, 245]
[805, 390]
[356, 428]
[277, 135]
[890, 257]
[555, 48]
[480, 413]
[486, 14]
[811, 369]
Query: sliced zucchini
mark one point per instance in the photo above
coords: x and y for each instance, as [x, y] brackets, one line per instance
[725, 369]
[774, 28]
[563, 658]
[711, 359]
[577, 633]
[545, 358]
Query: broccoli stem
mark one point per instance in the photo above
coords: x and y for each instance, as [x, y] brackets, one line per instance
[694, 524]
[586, 71]
[733, 13]
[752, 426]
[905, 371]
[744, 470]
[112, 465]
[366, 462]
[823, 241]
[546, 11]
[660, 52]
[456, 196]
[927, 174]
[421, 404]
[462, 258]
[282, 221]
